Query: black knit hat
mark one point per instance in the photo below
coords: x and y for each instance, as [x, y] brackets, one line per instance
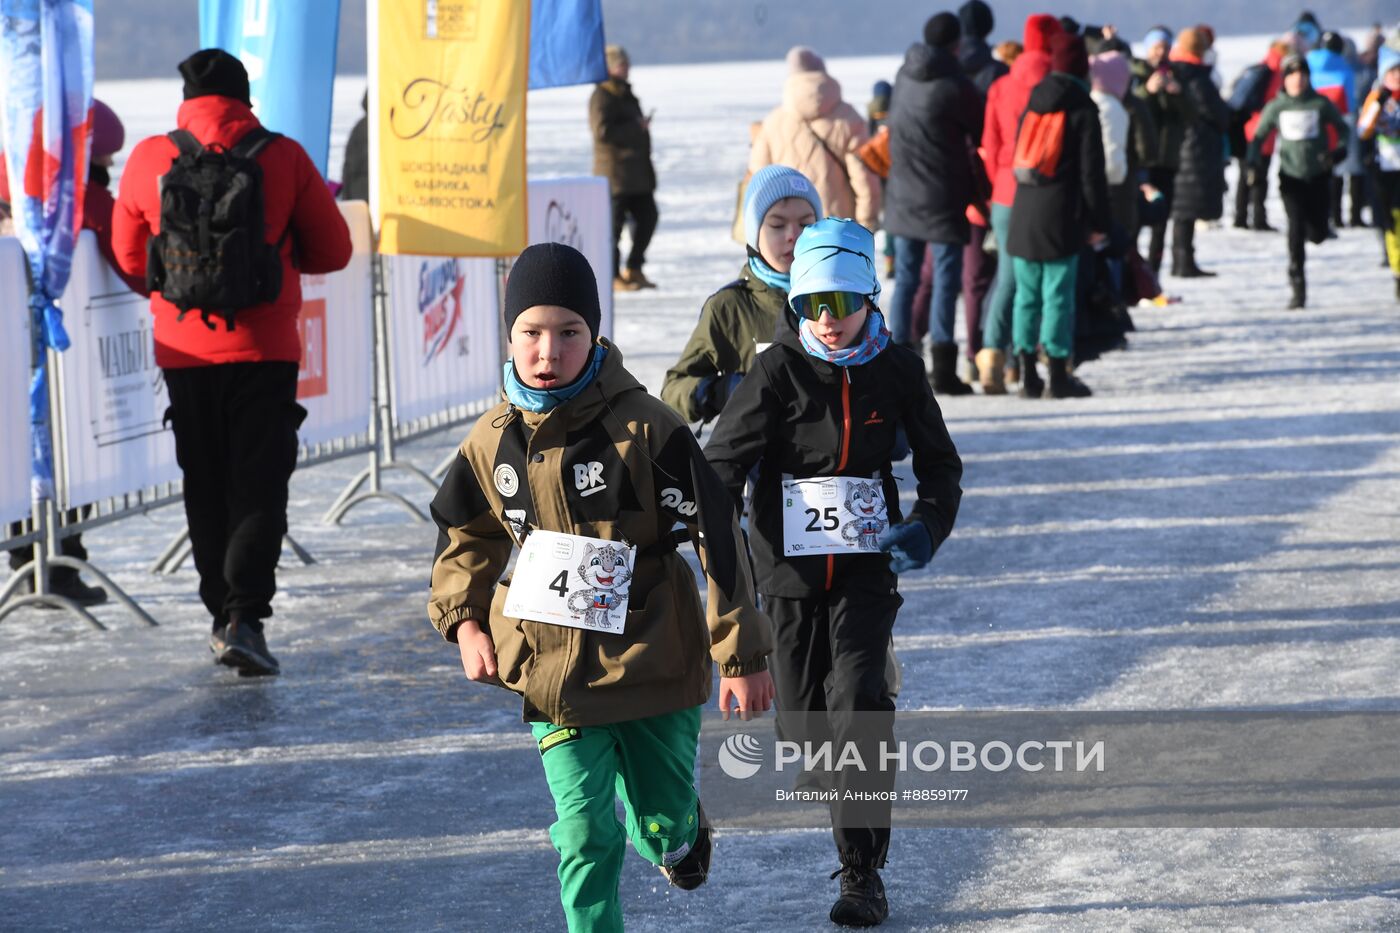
[942, 30]
[553, 274]
[976, 18]
[1294, 62]
[214, 71]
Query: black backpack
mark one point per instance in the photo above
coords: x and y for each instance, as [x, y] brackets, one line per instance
[1246, 96]
[212, 252]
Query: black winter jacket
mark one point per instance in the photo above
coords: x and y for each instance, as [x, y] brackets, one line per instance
[935, 123]
[1200, 176]
[977, 62]
[795, 414]
[1053, 220]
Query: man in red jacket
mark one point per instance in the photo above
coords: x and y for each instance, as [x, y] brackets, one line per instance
[233, 389]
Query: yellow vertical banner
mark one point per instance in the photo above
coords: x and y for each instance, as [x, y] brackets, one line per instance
[447, 120]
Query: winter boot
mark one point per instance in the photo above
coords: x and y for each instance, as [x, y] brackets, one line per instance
[944, 377]
[692, 870]
[635, 278]
[242, 647]
[1063, 383]
[862, 902]
[64, 581]
[1031, 383]
[1357, 188]
[990, 367]
[1184, 252]
[1300, 289]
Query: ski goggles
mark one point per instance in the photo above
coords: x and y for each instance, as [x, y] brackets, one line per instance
[838, 304]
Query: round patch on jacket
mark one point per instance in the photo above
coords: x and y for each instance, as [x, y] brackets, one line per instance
[506, 481]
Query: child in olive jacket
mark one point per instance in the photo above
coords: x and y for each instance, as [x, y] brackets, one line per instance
[579, 448]
[819, 412]
[778, 203]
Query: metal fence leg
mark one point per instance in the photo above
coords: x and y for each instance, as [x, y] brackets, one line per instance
[167, 555]
[441, 469]
[347, 494]
[120, 594]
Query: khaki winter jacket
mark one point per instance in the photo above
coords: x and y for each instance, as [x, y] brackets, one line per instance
[621, 140]
[734, 321]
[817, 133]
[611, 463]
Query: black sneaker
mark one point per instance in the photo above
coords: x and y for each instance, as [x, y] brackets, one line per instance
[862, 902]
[692, 870]
[241, 647]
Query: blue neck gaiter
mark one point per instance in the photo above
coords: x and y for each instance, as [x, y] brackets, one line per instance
[542, 400]
[779, 280]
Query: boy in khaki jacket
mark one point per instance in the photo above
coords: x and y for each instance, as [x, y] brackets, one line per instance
[601, 630]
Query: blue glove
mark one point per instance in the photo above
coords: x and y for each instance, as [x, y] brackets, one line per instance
[908, 545]
[712, 393]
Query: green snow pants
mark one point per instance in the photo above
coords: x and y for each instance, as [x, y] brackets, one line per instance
[1044, 309]
[647, 763]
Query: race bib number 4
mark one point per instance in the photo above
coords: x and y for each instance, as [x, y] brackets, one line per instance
[832, 515]
[571, 580]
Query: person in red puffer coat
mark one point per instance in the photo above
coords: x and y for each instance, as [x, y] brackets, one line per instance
[1006, 101]
[233, 389]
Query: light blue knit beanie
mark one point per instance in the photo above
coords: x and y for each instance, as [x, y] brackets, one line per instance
[767, 187]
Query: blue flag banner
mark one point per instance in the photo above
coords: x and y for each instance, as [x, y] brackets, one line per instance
[46, 64]
[566, 43]
[289, 51]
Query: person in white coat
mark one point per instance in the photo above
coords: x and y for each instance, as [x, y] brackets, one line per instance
[1109, 74]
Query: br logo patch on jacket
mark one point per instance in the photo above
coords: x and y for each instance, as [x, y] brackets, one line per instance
[588, 478]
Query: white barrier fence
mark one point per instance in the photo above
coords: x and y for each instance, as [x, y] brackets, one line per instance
[336, 381]
[15, 353]
[109, 395]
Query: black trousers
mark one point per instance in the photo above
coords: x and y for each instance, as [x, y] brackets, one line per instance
[1249, 199]
[1164, 180]
[236, 441]
[843, 635]
[638, 211]
[1307, 203]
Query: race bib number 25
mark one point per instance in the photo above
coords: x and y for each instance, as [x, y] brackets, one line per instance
[571, 580]
[832, 515]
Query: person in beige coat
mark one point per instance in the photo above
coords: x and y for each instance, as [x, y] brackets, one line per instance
[818, 133]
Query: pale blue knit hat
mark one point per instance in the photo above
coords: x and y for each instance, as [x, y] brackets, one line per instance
[767, 187]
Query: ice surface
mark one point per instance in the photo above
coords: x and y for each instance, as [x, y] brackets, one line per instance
[1216, 527]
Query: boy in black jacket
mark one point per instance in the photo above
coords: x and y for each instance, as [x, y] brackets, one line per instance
[817, 413]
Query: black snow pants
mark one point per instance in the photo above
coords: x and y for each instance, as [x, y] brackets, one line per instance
[1306, 202]
[236, 441]
[843, 634]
